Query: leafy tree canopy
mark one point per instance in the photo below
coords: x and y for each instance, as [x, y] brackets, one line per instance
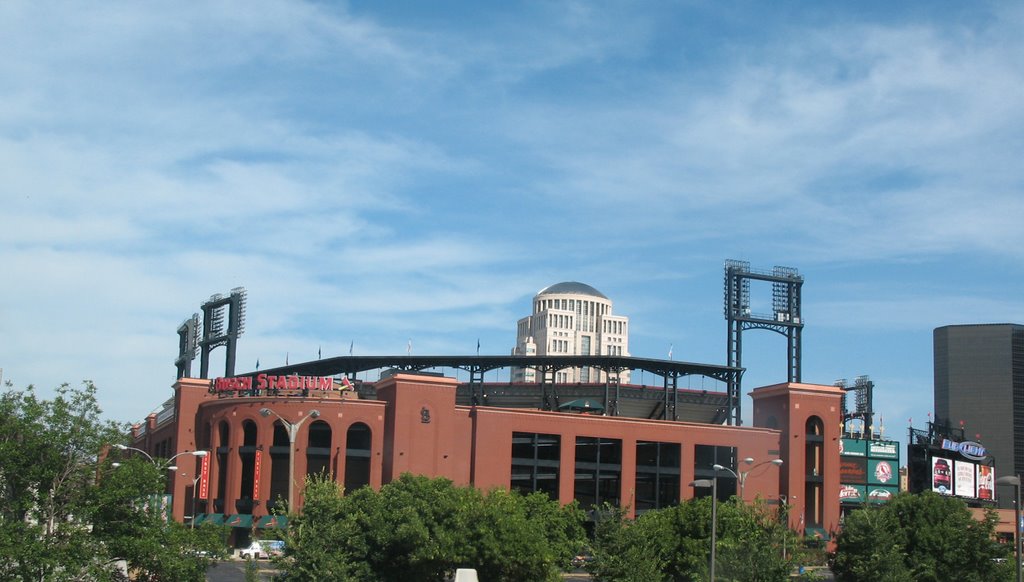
[417, 528]
[673, 544]
[921, 537]
[65, 514]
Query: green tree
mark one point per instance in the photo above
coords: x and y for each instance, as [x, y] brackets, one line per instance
[132, 524]
[66, 516]
[324, 543]
[49, 450]
[507, 536]
[417, 528]
[922, 537]
[674, 544]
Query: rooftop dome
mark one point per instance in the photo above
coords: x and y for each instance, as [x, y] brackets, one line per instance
[571, 287]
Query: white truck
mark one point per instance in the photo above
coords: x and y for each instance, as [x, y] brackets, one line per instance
[262, 549]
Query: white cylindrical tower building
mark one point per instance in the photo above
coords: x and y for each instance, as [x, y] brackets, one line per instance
[571, 319]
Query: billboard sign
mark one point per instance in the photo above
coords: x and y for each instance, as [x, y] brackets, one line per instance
[964, 474]
[852, 494]
[969, 449]
[852, 447]
[853, 471]
[882, 472]
[884, 450]
[878, 494]
[942, 476]
[986, 482]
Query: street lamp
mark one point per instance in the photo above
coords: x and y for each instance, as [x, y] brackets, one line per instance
[170, 466]
[1015, 481]
[742, 475]
[195, 482]
[713, 484]
[293, 431]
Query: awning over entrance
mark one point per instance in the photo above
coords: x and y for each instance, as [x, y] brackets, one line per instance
[278, 521]
[198, 519]
[214, 518]
[238, 520]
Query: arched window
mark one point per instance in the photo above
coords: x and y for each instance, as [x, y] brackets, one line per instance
[247, 460]
[318, 450]
[279, 455]
[358, 441]
[814, 490]
[223, 446]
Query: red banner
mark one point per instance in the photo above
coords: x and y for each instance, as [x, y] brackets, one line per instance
[256, 474]
[204, 478]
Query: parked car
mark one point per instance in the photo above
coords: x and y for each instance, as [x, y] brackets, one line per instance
[581, 560]
[262, 549]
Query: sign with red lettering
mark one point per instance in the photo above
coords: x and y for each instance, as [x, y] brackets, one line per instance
[256, 474]
[267, 382]
[204, 478]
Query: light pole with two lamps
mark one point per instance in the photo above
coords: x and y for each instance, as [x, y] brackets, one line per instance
[293, 431]
[169, 467]
[741, 477]
[713, 484]
[1014, 480]
[170, 462]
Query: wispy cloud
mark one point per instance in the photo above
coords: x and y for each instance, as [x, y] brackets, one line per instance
[374, 174]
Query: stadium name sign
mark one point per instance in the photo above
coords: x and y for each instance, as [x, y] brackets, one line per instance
[969, 449]
[268, 382]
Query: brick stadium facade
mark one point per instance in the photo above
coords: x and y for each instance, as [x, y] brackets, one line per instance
[414, 424]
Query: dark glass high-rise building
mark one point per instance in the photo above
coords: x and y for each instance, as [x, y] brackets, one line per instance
[979, 381]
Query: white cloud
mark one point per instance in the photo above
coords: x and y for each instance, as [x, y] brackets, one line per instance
[373, 179]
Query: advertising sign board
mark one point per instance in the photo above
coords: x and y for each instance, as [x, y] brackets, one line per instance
[986, 482]
[878, 494]
[853, 471]
[882, 472]
[852, 494]
[942, 476]
[964, 479]
[884, 450]
[853, 447]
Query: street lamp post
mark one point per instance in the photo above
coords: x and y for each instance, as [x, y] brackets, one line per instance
[195, 482]
[293, 431]
[170, 465]
[1015, 481]
[741, 477]
[713, 484]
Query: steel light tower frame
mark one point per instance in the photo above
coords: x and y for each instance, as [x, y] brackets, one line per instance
[785, 319]
[214, 333]
[863, 389]
[188, 345]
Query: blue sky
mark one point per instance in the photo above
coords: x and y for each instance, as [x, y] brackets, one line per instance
[380, 172]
